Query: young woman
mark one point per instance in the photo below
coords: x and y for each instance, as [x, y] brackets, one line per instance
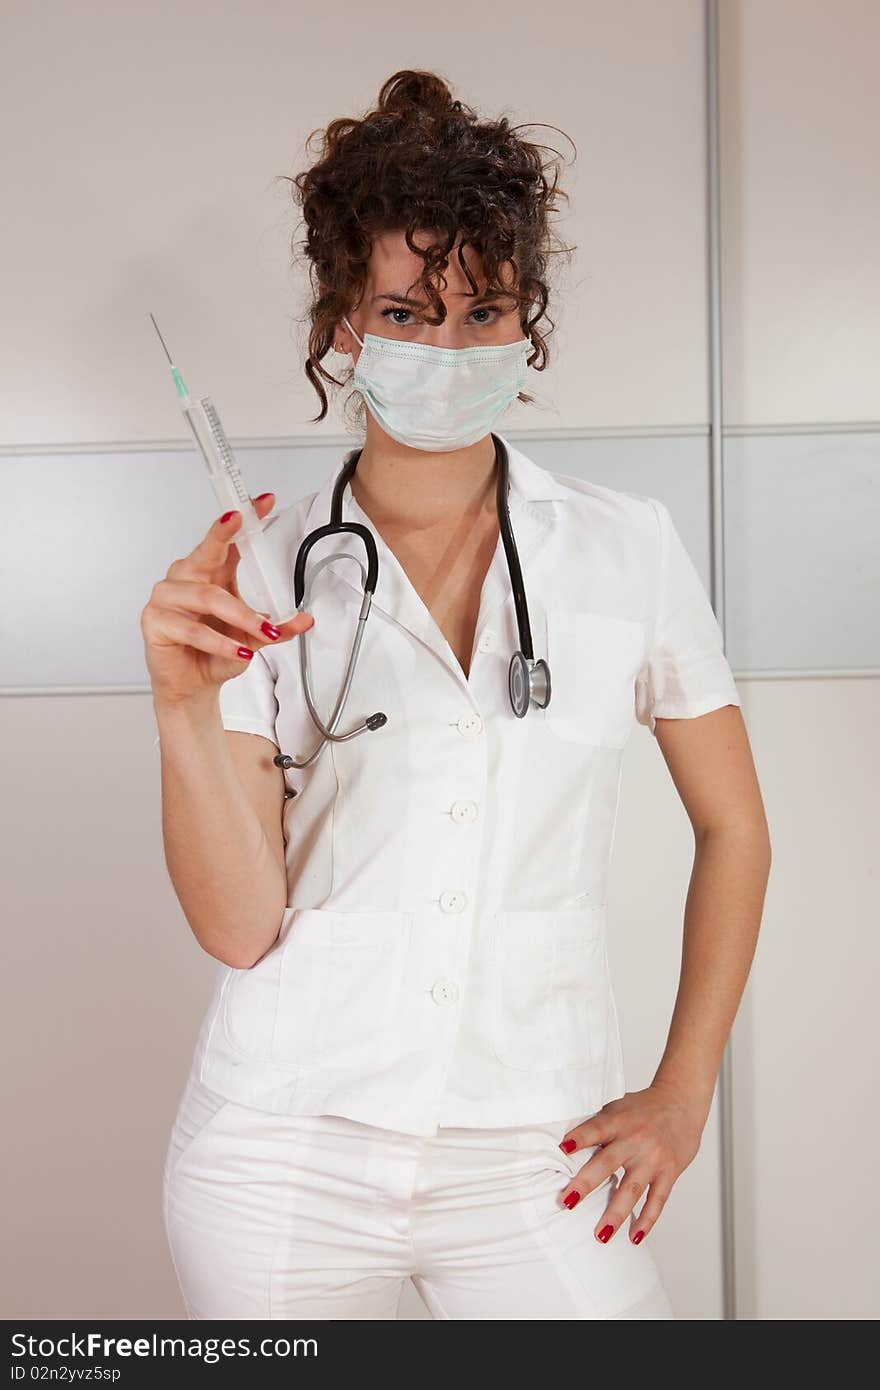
[411, 1064]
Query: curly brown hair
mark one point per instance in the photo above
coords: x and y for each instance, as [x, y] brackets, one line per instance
[423, 162]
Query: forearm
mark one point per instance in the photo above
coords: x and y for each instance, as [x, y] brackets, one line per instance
[224, 873]
[722, 919]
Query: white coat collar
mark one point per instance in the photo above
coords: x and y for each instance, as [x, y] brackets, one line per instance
[395, 596]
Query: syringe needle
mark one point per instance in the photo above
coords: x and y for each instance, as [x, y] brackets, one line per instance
[179, 383]
[162, 340]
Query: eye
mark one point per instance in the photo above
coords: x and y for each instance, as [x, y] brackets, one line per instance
[493, 311]
[395, 309]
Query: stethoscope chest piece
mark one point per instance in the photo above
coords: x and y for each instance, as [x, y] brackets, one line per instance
[528, 682]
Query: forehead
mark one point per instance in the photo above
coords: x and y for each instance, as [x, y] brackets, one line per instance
[393, 267]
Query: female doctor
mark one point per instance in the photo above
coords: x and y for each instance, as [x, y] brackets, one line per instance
[411, 1063]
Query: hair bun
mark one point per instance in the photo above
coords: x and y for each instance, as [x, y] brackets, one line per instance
[412, 90]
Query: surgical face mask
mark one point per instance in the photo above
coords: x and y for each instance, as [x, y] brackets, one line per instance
[438, 398]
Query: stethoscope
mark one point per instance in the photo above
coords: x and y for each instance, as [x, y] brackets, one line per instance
[528, 680]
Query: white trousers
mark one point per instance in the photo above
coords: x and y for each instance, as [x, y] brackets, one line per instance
[292, 1216]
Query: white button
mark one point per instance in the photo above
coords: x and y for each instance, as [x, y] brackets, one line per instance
[487, 642]
[445, 992]
[453, 900]
[470, 724]
[464, 811]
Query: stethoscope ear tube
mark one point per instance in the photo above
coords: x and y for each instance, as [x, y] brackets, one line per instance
[333, 528]
[328, 730]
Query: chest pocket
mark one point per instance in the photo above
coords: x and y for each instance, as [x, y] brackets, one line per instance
[594, 661]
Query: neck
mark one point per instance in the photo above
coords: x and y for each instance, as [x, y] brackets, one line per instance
[418, 489]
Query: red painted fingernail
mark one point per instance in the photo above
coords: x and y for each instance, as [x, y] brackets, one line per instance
[225, 517]
[639, 1235]
[245, 653]
[262, 495]
[571, 1200]
[270, 630]
[568, 1146]
[606, 1233]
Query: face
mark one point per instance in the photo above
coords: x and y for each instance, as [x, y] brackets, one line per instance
[392, 304]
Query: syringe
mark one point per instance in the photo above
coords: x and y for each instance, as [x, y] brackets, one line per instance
[230, 491]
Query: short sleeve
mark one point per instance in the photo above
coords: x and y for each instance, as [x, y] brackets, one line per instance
[685, 672]
[247, 702]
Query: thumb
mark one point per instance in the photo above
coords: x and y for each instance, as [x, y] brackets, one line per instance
[263, 504]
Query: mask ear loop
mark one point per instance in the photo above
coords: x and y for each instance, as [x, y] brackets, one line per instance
[353, 330]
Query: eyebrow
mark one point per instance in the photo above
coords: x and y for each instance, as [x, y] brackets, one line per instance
[420, 304]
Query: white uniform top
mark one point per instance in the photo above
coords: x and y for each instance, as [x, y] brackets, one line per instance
[443, 957]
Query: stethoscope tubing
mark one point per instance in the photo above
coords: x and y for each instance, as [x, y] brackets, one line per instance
[328, 730]
[515, 569]
[370, 576]
[504, 523]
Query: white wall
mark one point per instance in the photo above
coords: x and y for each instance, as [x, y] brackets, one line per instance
[143, 176]
[137, 179]
[801, 210]
[805, 1042]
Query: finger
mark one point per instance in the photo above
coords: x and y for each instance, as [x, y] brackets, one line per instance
[625, 1194]
[262, 505]
[194, 596]
[596, 1130]
[282, 623]
[641, 1225]
[603, 1165]
[213, 550]
[168, 628]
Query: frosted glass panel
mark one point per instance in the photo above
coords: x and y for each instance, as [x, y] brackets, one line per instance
[87, 535]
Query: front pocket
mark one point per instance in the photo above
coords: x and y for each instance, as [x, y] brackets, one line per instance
[594, 660]
[548, 996]
[249, 1001]
[197, 1112]
[339, 989]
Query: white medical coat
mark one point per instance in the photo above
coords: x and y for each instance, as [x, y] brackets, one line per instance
[443, 956]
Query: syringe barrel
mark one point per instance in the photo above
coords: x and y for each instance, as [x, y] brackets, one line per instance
[223, 471]
[259, 582]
